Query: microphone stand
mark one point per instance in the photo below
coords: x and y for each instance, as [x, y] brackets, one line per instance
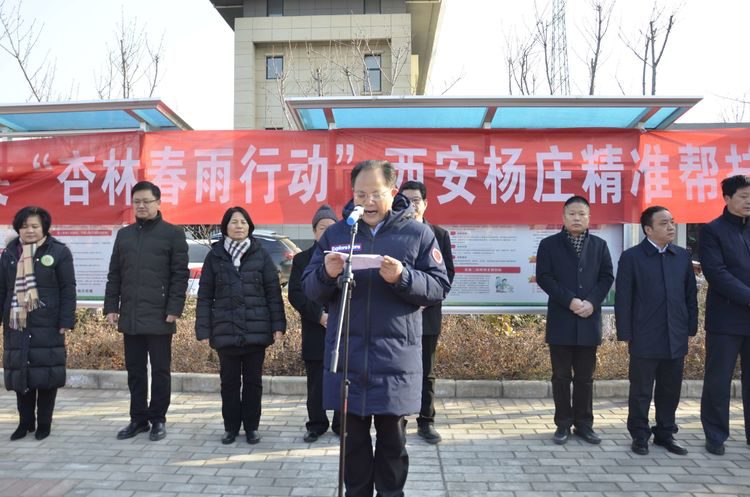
[346, 283]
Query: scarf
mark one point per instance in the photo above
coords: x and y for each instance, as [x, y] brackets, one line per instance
[576, 241]
[236, 249]
[26, 298]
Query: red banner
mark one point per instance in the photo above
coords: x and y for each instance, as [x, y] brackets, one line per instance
[473, 176]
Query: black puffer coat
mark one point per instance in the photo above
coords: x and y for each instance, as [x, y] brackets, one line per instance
[237, 308]
[148, 277]
[35, 357]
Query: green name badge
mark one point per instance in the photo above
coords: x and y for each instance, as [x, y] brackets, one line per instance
[48, 260]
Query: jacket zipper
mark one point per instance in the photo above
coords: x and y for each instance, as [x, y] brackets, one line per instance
[134, 309]
[367, 331]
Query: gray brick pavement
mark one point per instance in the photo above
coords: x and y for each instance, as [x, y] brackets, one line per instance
[491, 447]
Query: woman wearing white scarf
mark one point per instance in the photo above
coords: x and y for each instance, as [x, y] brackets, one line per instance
[38, 292]
[240, 311]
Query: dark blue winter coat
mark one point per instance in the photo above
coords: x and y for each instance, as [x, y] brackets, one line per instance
[724, 248]
[385, 341]
[656, 303]
[564, 276]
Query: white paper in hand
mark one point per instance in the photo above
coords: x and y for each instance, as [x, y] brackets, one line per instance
[361, 261]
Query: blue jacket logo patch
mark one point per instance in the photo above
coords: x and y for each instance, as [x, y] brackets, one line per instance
[345, 248]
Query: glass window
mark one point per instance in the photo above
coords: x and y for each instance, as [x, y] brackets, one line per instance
[275, 8]
[274, 66]
[372, 7]
[372, 74]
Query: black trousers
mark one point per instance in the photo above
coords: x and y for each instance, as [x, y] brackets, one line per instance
[241, 388]
[318, 419]
[42, 401]
[427, 412]
[157, 348]
[643, 373]
[387, 468]
[576, 364]
[721, 358]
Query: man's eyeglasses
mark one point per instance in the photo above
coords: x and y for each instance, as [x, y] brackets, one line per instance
[374, 196]
[138, 203]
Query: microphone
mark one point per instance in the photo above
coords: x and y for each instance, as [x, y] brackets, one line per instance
[355, 215]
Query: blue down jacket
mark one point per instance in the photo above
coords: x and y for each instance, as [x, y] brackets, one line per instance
[385, 341]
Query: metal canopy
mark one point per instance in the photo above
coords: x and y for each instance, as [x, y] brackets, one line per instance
[523, 112]
[103, 116]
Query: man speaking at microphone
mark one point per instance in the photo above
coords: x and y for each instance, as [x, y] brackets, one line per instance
[385, 332]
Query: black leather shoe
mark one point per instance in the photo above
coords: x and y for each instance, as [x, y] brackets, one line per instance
[252, 437]
[228, 437]
[587, 435]
[561, 436]
[43, 431]
[716, 449]
[671, 446]
[132, 430]
[429, 434]
[21, 431]
[310, 437]
[639, 446]
[158, 431]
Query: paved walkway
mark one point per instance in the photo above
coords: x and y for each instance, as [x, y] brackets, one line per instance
[491, 448]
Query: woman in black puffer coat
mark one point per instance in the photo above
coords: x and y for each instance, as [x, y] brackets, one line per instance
[240, 312]
[36, 317]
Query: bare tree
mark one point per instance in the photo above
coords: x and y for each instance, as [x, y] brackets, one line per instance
[595, 33]
[734, 111]
[321, 73]
[520, 60]
[653, 40]
[19, 40]
[133, 64]
[452, 81]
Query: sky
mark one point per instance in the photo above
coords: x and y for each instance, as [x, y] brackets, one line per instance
[704, 55]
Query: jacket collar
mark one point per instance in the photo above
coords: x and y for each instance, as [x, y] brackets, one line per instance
[217, 248]
[740, 222]
[401, 211]
[650, 249]
[149, 223]
[13, 246]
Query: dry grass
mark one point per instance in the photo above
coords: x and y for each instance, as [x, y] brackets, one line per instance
[470, 347]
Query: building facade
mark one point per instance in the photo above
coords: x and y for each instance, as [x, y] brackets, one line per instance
[318, 48]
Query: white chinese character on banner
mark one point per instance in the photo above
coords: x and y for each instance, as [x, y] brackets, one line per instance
[340, 148]
[252, 166]
[81, 177]
[557, 175]
[168, 172]
[214, 175]
[455, 189]
[116, 182]
[405, 163]
[653, 168]
[512, 176]
[309, 175]
[736, 159]
[699, 170]
[603, 168]
[4, 198]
